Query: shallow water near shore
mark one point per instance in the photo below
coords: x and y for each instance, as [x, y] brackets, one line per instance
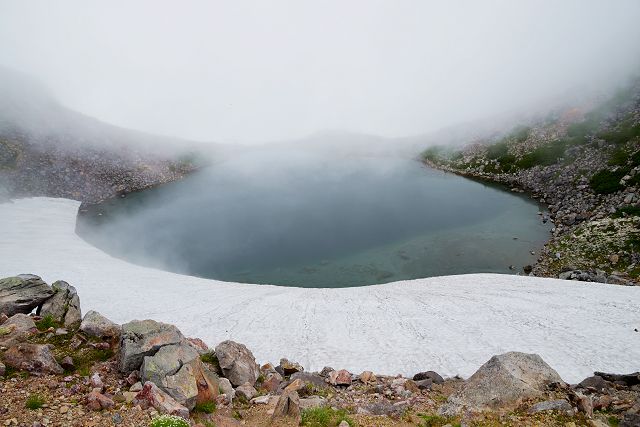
[300, 219]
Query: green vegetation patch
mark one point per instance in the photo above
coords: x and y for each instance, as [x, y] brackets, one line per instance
[626, 211]
[46, 322]
[324, 417]
[624, 132]
[544, 155]
[169, 421]
[607, 181]
[35, 401]
[206, 407]
[8, 155]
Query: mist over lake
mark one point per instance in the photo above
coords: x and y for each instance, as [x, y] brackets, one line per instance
[306, 219]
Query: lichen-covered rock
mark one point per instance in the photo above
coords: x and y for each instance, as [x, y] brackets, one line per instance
[237, 363]
[35, 358]
[502, 382]
[96, 325]
[16, 329]
[182, 386]
[23, 293]
[64, 305]
[167, 361]
[142, 338]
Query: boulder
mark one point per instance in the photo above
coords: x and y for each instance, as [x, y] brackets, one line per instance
[226, 388]
[246, 392]
[23, 293]
[288, 406]
[429, 375]
[152, 397]
[551, 405]
[35, 358]
[595, 382]
[367, 377]
[64, 305]
[237, 363]
[97, 401]
[502, 382]
[142, 338]
[313, 402]
[96, 325]
[16, 329]
[341, 377]
[167, 361]
[193, 383]
[289, 368]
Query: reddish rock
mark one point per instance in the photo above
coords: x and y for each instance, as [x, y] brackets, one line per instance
[288, 406]
[97, 401]
[341, 377]
[272, 383]
[198, 344]
[35, 358]
[152, 396]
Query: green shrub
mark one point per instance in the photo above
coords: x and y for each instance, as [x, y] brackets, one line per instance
[169, 421]
[432, 154]
[620, 157]
[544, 155]
[626, 210]
[606, 181]
[206, 407]
[34, 401]
[324, 417]
[625, 132]
[434, 420]
[497, 150]
[46, 322]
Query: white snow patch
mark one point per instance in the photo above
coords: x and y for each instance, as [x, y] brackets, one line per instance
[449, 324]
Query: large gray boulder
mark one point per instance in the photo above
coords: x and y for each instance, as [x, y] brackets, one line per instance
[16, 329]
[502, 382]
[23, 293]
[64, 305]
[35, 358]
[96, 325]
[237, 363]
[193, 383]
[142, 338]
[167, 361]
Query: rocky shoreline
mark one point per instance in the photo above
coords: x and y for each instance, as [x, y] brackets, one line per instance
[584, 166]
[59, 368]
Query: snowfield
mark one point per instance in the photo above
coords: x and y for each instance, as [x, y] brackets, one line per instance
[448, 324]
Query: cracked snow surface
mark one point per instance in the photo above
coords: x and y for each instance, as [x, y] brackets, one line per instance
[449, 324]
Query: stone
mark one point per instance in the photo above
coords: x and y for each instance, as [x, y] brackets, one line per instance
[425, 384]
[182, 386]
[198, 345]
[23, 293]
[226, 388]
[594, 382]
[260, 400]
[504, 381]
[367, 377]
[64, 305]
[340, 378]
[16, 329]
[290, 368]
[343, 423]
[237, 363]
[96, 381]
[551, 405]
[36, 358]
[288, 406]
[624, 379]
[313, 402]
[630, 420]
[310, 380]
[96, 325]
[142, 338]
[167, 361]
[97, 401]
[272, 382]
[294, 385]
[246, 392]
[67, 363]
[3, 369]
[152, 397]
[429, 375]
[326, 371]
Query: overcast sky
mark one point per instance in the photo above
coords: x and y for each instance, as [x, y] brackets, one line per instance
[253, 71]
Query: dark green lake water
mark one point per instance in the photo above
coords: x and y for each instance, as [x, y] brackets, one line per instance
[290, 218]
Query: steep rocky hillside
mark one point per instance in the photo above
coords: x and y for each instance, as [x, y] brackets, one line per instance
[49, 150]
[583, 164]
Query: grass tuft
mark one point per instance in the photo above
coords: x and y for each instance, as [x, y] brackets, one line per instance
[34, 401]
[324, 417]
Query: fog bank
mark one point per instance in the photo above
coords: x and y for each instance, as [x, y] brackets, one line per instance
[260, 71]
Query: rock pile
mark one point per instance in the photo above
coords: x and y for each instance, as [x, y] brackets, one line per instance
[145, 368]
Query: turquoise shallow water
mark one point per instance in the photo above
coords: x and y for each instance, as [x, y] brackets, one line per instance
[293, 218]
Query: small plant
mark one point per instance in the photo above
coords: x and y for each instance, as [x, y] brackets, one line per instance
[434, 420]
[168, 421]
[34, 401]
[324, 417]
[4, 330]
[206, 407]
[211, 359]
[46, 322]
